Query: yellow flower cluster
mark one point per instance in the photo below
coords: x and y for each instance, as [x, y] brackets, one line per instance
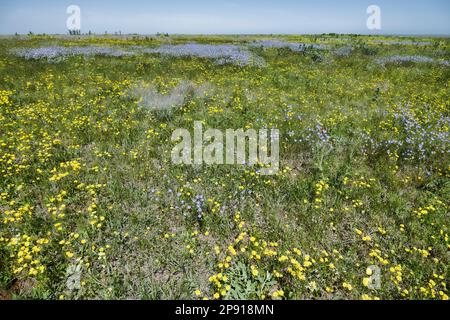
[26, 252]
[5, 97]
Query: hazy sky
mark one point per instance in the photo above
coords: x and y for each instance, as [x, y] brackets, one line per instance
[228, 16]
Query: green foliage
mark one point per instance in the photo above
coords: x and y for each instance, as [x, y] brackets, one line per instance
[88, 190]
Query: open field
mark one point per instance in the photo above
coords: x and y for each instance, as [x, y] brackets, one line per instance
[92, 206]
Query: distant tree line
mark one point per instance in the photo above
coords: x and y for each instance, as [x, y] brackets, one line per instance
[75, 32]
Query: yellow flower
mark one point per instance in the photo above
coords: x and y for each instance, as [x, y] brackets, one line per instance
[347, 286]
[278, 294]
[366, 282]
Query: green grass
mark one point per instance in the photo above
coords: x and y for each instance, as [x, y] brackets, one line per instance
[87, 179]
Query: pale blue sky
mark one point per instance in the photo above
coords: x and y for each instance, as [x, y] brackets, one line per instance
[228, 16]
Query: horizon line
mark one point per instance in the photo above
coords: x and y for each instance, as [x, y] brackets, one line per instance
[118, 33]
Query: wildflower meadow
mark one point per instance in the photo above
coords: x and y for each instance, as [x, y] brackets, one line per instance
[93, 207]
